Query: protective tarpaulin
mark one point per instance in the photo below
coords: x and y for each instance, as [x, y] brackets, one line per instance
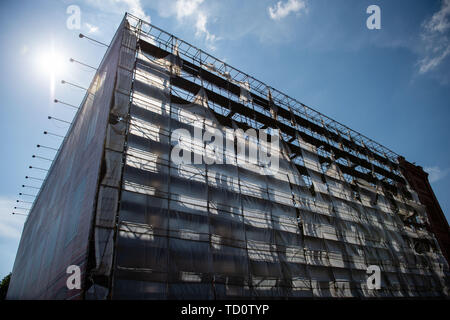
[58, 229]
[225, 229]
[155, 198]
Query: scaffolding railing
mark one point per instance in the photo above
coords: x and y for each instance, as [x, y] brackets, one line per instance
[167, 41]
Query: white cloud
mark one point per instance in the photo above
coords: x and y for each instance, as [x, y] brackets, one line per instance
[10, 225]
[189, 11]
[435, 39]
[185, 8]
[439, 21]
[436, 173]
[91, 28]
[135, 8]
[430, 62]
[201, 28]
[120, 7]
[282, 9]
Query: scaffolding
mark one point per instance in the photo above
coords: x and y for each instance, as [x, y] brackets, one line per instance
[337, 204]
[225, 228]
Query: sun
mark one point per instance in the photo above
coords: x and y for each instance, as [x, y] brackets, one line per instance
[51, 64]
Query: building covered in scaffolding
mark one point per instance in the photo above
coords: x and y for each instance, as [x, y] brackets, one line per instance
[143, 226]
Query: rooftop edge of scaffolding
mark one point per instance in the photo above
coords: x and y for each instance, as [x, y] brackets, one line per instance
[164, 38]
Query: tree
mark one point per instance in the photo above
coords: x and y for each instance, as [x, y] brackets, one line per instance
[4, 286]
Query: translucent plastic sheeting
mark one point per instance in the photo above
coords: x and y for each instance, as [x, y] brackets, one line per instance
[230, 230]
[217, 222]
[58, 228]
[108, 194]
[245, 95]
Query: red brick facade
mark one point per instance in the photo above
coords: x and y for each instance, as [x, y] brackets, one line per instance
[418, 179]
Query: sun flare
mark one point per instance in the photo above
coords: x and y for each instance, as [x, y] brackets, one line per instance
[50, 64]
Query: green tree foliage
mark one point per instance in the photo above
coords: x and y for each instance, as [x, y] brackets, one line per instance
[4, 286]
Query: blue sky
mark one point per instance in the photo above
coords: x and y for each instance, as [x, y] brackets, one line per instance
[392, 84]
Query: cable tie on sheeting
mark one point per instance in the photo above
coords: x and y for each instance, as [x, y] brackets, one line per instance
[20, 208]
[39, 157]
[21, 201]
[53, 134]
[74, 85]
[37, 168]
[96, 41]
[53, 118]
[65, 103]
[31, 187]
[19, 214]
[45, 147]
[25, 194]
[83, 64]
